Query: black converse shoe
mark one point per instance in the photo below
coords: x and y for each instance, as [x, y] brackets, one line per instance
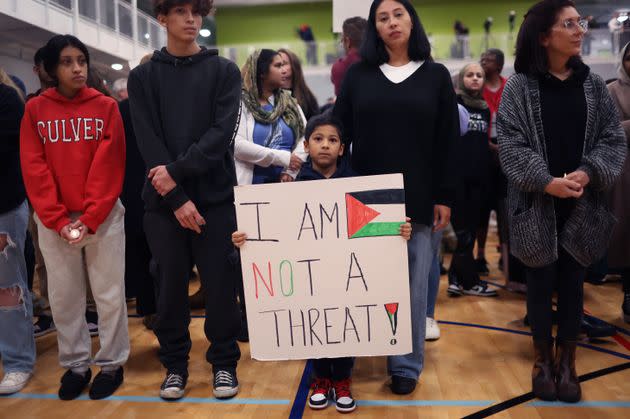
[173, 386]
[225, 384]
[106, 383]
[73, 384]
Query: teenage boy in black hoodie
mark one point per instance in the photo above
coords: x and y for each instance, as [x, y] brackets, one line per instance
[184, 107]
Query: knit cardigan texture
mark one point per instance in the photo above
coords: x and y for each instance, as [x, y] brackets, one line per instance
[534, 238]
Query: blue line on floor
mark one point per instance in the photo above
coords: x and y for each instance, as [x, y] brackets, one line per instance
[144, 399]
[299, 403]
[520, 332]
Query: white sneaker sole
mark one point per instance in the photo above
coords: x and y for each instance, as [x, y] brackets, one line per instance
[172, 394]
[226, 393]
[346, 409]
[15, 388]
[317, 406]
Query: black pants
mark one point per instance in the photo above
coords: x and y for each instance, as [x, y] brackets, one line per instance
[175, 249]
[465, 220]
[335, 369]
[565, 276]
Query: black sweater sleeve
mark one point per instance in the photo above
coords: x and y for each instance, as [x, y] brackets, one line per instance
[11, 111]
[211, 148]
[146, 123]
[448, 129]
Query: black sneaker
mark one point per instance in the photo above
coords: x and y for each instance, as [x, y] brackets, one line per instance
[403, 385]
[106, 383]
[625, 307]
[173, 386]
[482, 266]
[225, 384]
[91, 317]
[481, 290]
[43, 326]
[72, 384]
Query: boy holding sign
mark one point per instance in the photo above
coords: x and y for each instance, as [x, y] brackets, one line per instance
[323, 143]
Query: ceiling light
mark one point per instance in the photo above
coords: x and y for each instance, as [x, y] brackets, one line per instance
[147, 36]
[117, 66]
[205, 33]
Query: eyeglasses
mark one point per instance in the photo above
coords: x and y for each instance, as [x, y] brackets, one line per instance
[572, 25]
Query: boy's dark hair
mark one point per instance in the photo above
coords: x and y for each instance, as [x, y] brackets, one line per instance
[373, 49]
[38, 58]
[325, 118]
[531, 56]
[53, 48]
[354, 30]
[162, 7]
[498, 55]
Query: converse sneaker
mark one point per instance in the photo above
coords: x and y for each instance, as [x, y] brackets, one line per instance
[432, 330]
[43, 326]
[173, 386]
[342, 396]
[225, 384]
[12, 382]
[321, 392]
[481, 290]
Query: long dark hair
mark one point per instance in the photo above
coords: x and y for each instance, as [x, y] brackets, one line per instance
[531, 56]
[373, 49]
[52, 52]
[299, 89]
[262, 67]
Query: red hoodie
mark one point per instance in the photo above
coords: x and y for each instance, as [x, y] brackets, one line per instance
[73, 156]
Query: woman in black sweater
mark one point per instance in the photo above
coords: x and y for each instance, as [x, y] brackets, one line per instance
[400, 114]
[472, 156]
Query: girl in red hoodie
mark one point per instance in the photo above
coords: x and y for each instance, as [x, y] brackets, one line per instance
[72, 150]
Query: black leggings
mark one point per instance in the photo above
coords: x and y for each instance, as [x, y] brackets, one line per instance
[335, 369]
[565, 276]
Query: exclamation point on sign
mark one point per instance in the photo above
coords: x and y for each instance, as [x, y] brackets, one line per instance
[392, 314]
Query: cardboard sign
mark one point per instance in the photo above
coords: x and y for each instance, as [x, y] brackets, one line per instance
[325, 269]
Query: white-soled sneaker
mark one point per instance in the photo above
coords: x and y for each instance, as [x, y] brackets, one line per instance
[432, 329]
[173, 387]
[344, 402]
[320, 393]
[481, 290]
[12, 382]
[225, 384]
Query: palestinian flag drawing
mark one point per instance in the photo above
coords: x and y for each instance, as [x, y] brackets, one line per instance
[375, 213]
[392, 314]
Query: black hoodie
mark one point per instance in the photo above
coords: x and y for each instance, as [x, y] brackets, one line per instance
[11, 111]
[184, 112]
[308, 173]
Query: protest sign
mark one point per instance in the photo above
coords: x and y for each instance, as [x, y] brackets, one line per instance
[325, 270]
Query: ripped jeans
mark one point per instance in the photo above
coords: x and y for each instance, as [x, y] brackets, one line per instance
[17, 345]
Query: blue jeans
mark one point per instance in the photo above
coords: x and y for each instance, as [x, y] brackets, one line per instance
[420, 258]
[434, 274]
[17, 345]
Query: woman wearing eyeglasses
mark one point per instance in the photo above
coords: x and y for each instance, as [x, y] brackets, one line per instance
[561, 147]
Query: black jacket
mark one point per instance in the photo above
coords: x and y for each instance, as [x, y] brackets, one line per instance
[184, 112]
[11, 112]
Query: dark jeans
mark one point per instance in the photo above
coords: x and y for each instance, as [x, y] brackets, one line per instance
[465, 220]
[175, 249]
[565, 276]
[335, 369]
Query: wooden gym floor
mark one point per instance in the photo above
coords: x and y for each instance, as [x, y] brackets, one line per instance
[482, 359]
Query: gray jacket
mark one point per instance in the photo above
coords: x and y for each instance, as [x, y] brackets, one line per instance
[534, 238]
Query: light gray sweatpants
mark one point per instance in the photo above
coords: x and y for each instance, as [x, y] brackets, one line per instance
[102, 257]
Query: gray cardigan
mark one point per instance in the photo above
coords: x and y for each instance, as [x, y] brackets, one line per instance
[534, 238]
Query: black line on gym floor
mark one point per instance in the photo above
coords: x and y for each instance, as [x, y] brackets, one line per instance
[508, 404]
